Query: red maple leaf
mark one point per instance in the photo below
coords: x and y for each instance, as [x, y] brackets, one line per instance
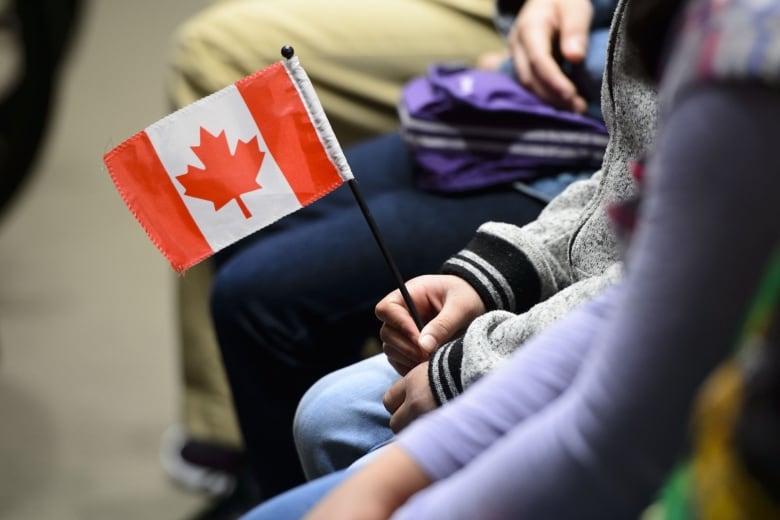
[225, 176]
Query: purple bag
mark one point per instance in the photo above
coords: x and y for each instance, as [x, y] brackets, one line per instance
[470, 129]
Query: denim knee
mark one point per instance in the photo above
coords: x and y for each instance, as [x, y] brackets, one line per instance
[320, 412]
[341, 417]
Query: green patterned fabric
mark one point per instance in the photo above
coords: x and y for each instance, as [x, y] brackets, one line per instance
[713, 484]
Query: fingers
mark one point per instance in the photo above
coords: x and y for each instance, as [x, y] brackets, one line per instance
[531, 40]
[540, 73]
[400, 420]
[449, 302]
[409, 398]
[401, 415]
[575, 25]
[393, 313]
[394, 397]
[399, 341]
[546, 73]
[439, 330]
[458, 309]
[402, 351]
[401, 363]
[395, 403]
[573, 44]
[398, 333]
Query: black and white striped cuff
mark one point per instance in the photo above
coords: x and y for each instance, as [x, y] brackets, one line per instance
[444, 372]
[501, 274]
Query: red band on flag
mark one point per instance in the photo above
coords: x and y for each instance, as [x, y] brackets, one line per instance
[147, 190]
[287, 130]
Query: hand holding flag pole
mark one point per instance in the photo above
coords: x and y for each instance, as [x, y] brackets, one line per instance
[233, 163]
[288, 52]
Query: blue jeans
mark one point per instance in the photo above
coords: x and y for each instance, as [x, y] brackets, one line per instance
[341, 417]
[296, 502]
[296, 300]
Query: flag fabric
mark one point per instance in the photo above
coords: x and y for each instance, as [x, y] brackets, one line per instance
[229, 164]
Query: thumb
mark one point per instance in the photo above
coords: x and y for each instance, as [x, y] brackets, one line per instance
[573, 43]
[438, 331]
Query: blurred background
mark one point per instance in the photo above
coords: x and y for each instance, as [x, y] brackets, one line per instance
[88, 367]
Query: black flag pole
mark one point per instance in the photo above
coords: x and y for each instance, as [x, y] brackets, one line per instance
[353, 185]
[288, 52]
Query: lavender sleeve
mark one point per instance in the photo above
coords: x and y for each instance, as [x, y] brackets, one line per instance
[587, 419]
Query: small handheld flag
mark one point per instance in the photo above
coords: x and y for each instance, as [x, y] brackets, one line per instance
[232, 163]
[229, 164]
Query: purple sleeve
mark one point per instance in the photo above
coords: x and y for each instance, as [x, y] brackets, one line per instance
[601, 447]
[536, 375]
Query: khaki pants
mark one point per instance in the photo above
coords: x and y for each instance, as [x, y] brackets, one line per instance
[358, 54]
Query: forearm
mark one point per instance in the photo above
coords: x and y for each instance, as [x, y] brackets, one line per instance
[513, 267]
[489, 342]
[493, 338]
[709, 224]
[535, 376]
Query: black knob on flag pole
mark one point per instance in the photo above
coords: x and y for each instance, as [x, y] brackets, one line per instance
[288, 51]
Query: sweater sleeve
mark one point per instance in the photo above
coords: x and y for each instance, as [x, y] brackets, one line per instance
[493, 337]
[600, 447]
[516, 270]
[539, 272]
[511, 267]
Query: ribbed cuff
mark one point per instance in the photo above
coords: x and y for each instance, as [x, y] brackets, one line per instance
[444, 372]
[502, 275]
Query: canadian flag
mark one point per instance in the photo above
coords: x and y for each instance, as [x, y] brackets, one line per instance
[229, 164]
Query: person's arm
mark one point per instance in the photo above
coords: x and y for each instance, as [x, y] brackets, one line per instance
[492, 338]
[538, 376]
[513, 268]
[543, 375]
[510, 268]
[708, 226]
[545, 245]
[523, 271]
[538, 268]
[504, 267]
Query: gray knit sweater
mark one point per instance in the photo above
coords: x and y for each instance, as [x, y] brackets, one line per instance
[530, 276]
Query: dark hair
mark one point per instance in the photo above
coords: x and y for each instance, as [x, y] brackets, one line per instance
[648, 23]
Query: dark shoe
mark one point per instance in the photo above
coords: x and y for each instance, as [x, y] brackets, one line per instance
[200, 466]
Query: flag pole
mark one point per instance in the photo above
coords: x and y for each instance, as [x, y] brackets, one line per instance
[288, 52]
[353, 185]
